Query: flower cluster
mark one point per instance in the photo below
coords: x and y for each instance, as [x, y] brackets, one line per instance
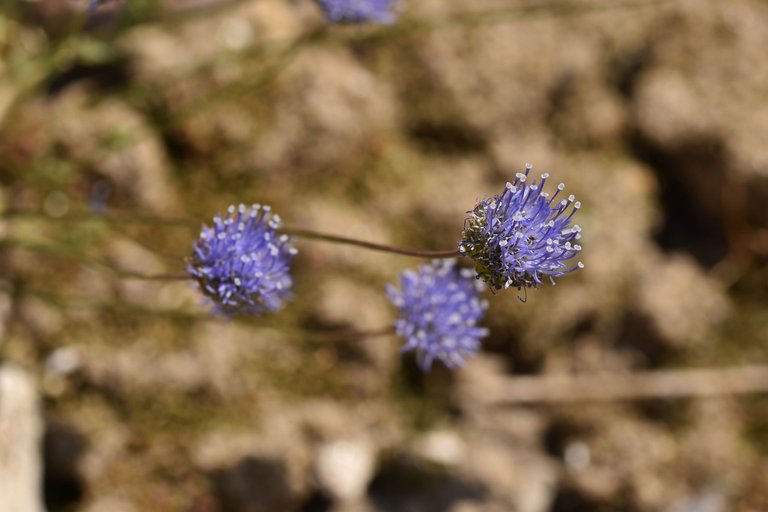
[519, 237]
[241, 264]
[515, 239]
[359, 11]
[439, 308]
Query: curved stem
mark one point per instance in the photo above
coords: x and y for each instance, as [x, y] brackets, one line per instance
[152, 277]
[183, 315]
[82, 259]
[343, 334]
[121, 217]
[323, 237]
[114, 216]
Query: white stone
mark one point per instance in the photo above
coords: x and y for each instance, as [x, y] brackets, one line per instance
[345, 468]
[63, 361]
[577, 456]
[20, 434]
[442, 447]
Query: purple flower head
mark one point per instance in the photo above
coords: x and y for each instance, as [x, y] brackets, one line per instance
[94, 4]
[359, 11]
[439, 308]
[522, 235]
[241, 264]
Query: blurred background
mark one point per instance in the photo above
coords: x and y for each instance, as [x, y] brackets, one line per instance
[122, 131]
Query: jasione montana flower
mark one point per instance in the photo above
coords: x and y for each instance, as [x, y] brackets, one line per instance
[94, 4]
[523, 235]
[241, 263]
[359, 11]
[439, 307]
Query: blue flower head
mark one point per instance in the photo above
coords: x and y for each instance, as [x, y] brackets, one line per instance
[94, 4]
[359, 11]
[439, 308]
[522, 235]
[241, 264]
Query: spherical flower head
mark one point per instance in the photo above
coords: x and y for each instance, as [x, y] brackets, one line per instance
[241, 263]
[439, 308]
[519, 237]
[359, 11]
[94, 4]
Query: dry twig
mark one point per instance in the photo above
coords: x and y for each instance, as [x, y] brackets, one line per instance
[708, 382]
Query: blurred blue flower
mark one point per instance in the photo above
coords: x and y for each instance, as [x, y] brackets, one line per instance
[94, 4]
[522, 235]
[98, 199]
[359, 11]
[439, 308]
[241, 264]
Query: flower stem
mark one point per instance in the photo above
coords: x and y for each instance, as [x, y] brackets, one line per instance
[314, 235]
[118, 217]
[85, 260]
[151, 277]
[114, 216]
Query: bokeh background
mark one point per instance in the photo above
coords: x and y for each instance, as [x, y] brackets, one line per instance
[122, 131]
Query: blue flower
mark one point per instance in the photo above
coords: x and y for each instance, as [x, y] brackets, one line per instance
[94, 4]
[359, 11]
[241, 264]
[439, 308]
[522, 235]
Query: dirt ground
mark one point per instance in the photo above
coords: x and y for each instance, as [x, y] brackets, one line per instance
[122, 132]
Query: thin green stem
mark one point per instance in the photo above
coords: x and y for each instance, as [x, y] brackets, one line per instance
[68, 302]
[114, 216]
[152, 277]
[321, 337]
[87, 261]
[185, 222]
[323, 237]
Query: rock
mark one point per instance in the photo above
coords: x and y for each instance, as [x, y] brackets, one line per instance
[470, 506]
[263, 467]
[406, 484]
[63, 361]
[59, 365]
[64, 448]
[517, 477]
[254, 485]
[46, 320]
[20, 435]
[255, 469]
[577, 455]
[444, 447]
[665, 307]
[211, 361]
[116, 142]
[689, 102]
[712, 443]
[345, 302]
[142, 368]
[344, 468]
[111, 504]
[708, 500]
[328, 108]
[625, 455]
